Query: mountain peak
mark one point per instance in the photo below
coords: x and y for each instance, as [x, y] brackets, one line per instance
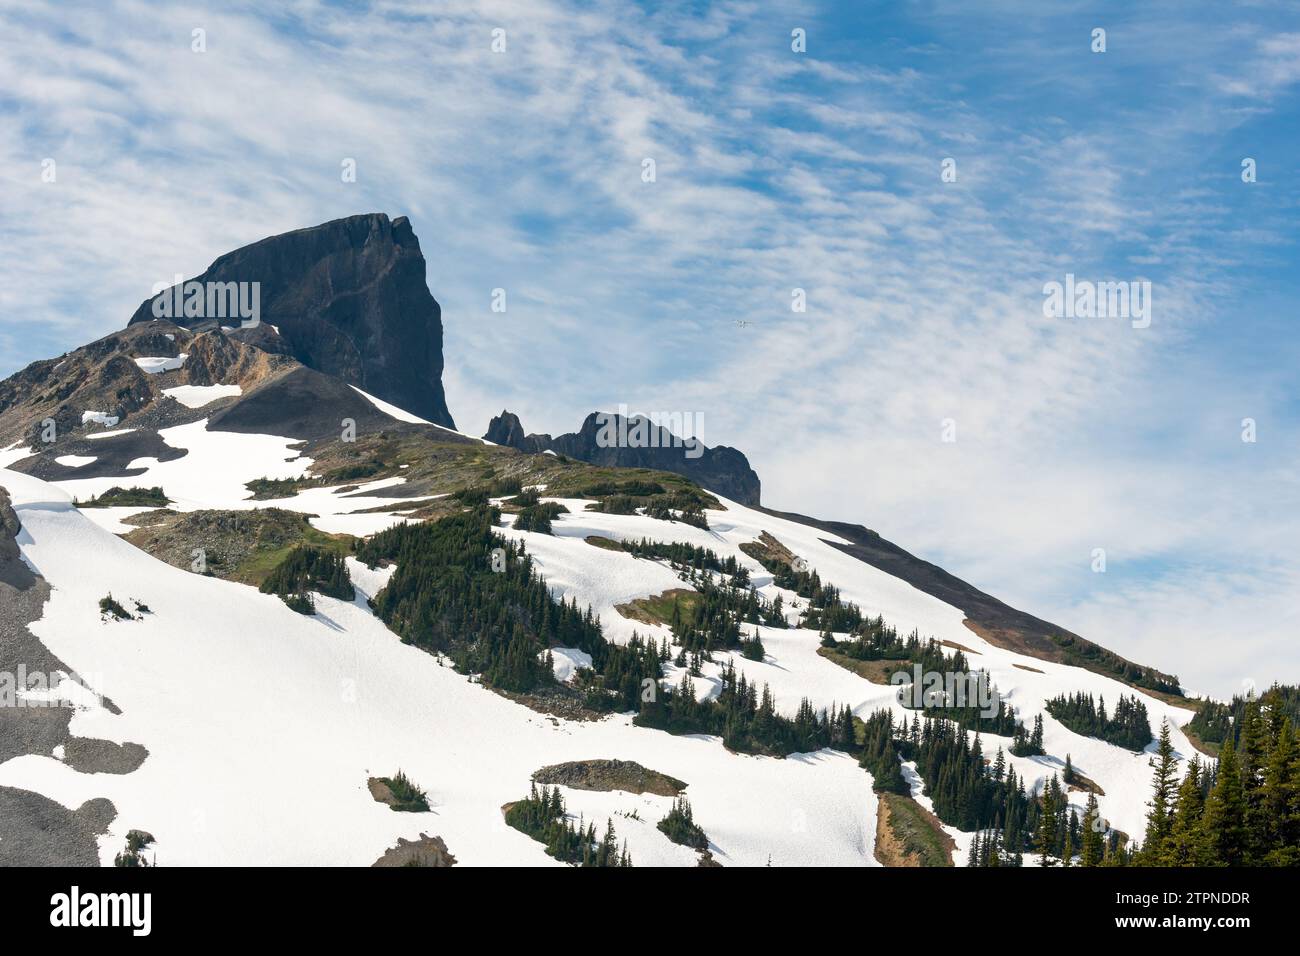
[347, 297]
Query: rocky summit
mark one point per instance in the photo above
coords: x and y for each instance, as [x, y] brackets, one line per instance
[607, 438]
[347, 298]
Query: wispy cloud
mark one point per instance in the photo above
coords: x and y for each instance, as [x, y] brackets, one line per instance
[774, 170]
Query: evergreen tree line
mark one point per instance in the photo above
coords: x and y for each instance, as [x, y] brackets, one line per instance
[1244, 812]
[538, 516]
[445, 597]
[688, 556]
[1029, 743]
[677, 507]
[542, 817]
[306, 569]
[1128, 727]
[712, 622]
[746, 718]
[680, 826]
[1215, 721]
[874, 640]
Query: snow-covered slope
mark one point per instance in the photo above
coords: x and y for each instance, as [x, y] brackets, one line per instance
[263, 725]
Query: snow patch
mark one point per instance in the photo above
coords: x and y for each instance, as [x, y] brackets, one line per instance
[155, 365]
[568, 661]
[196, 396]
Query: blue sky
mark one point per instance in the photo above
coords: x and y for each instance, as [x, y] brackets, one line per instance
[775, 170]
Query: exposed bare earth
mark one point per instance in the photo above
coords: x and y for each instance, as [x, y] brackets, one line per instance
[909, 835]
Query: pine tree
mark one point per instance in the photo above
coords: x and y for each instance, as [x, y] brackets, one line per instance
[1093, 842]
[1224, 820]
[1159, 818]
[1282, 799]
[1186, 844]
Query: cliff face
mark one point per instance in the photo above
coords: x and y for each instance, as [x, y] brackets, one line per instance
[721, 469]
[347, 298]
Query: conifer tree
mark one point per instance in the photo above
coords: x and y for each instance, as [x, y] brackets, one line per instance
[1093, 843]
[1186, 844]
[1224, 820]
[1159, 818]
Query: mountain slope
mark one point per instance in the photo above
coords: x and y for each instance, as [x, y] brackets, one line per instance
[197, 691]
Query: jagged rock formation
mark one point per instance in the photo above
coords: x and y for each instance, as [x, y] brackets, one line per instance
[106, 377]
[9, 528]
[347, 298]
[721, 469]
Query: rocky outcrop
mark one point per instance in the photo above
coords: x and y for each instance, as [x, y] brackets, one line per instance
[426, 851]
[347, 298]
[635, 442]
[9, 528]
[106, 377]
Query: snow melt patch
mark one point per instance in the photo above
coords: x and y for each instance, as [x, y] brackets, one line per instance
[196, 396]
[402, 415]
[101, 418]
[154, 365]
[15, 452]
[568, 661]
[112, 434]
[76, 461]
[212, 474]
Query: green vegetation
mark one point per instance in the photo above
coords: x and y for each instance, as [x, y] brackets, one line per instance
[1081, 653]
[680, 827]
[617, 505]
[637, 488]
[407, 797]
[538, 516]
[677, 507]
[1215, 722]
[265, 489]
[686, 556]
[116, 497]
[354, 472]
[445, 597]
[107, 605]
[131, 857]
[746, 719]
[914, 830]
[308, 569]
[1129, 727]
[542, 817]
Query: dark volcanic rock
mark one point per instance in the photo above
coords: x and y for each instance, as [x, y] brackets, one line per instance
[349, 299]
[722, 469]
[307, 405]
[9, 528]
